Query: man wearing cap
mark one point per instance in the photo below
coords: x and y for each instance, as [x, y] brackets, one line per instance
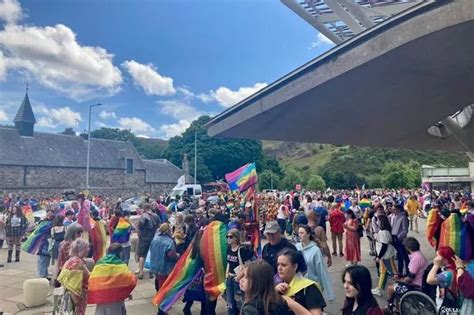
[276, 243]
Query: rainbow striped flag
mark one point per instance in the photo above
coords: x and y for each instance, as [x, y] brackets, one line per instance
[98, 239]
[110, 281]
[122, 231]
[213, 250]
[364, 203]
[186, 270]
[433, 223]
[36, 241]
[242, 178]
[454, 234]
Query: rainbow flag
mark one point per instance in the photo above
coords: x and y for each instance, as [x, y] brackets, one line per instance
[28, 212]
[98, 239]
[454, 233]
[122, 231]
[213, 250]
[35, 242]
[110, 281]
[186, 270]
[433, 223]
[364, 203]
[255, 240]
[242, 178]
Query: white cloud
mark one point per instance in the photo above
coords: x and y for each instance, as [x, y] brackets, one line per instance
[3, 116]
[183, 112]
[148, 78]
[226, 97]
[321, 41]
[10, 11]
[3, 67]
[136, 125]
[107, 115]
[176, 129]
[52, 118]
[56, 60]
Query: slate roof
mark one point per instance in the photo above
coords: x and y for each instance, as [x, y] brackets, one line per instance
[163, 171]
[25, 112]
[58, 150]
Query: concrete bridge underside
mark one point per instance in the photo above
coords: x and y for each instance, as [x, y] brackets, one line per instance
[383, 88]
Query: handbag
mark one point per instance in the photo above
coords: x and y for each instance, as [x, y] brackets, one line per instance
[451, 305]
[240, 267]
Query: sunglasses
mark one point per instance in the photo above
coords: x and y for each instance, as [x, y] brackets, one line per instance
[230, 236]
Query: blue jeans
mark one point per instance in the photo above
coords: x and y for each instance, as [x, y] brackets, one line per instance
[43, 264]
[125, 254]
[233, 296]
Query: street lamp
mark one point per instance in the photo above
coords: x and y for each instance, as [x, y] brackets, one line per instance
[89, 145]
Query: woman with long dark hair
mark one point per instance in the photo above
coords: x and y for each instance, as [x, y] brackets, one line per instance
[15, 228]
[260, 295]
[357, 286]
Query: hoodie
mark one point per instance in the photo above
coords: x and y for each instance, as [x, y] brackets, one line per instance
[317, 270]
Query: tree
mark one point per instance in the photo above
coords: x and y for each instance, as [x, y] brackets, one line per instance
[291, 179]
[216, 156]
[316, 183]
[268, 180]
[401, 175]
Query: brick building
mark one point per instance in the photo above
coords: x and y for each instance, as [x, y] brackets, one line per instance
[42, 164]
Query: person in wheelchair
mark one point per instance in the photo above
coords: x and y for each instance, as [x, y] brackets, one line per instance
[418, 270]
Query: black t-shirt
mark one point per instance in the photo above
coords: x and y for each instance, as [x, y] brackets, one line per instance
[310, 297]
[256, 308]
[233, 258]
[270, 252]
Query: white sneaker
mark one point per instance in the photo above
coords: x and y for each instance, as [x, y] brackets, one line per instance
[377, 291]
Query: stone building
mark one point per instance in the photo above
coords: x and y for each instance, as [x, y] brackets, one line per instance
[43, 164]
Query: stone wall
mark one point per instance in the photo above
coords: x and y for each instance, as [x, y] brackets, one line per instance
[47, 181]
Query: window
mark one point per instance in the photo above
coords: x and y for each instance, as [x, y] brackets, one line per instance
[129, 166]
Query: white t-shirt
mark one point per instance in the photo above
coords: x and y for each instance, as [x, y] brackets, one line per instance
[281, 213]
[385, 237]
[15, 221]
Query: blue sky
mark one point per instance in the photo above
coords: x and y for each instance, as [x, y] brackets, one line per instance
[154, 65]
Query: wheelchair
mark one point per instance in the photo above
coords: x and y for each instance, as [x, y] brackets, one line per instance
[414, 301]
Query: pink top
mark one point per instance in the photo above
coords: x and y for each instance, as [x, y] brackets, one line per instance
[417, 266]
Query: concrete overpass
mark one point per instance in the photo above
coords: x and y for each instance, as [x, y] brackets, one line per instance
[407, 82]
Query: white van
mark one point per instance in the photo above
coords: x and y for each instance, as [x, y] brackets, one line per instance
[194, 191]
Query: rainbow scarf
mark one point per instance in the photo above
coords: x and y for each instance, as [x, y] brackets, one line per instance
[98, 239]
[433, 223]
[185, 271]
[122, 231]
[454, 234]
[110, 281]
[36, 241]
[242, 178]
[213, 250]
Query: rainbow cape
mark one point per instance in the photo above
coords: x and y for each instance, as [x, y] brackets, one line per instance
[35, 242]
[183, 274]
[71, 276]
[454, 234]
[110, 281]
[213, 250]
[242, 178]
[433, 223]
[98, 239]
[121, 232]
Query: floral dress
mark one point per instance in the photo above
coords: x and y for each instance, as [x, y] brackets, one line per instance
[352, 241]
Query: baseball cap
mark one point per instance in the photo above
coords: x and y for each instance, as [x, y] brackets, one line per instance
[271, 227]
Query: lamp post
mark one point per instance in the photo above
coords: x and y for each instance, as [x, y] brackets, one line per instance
[89, 145]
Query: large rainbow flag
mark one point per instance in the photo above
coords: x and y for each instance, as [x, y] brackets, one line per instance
[213, 250]
[35, 242]
[110, 281]
[183, 274]
[433, 224]
[454, 234]
[122, 231]
[242, 178]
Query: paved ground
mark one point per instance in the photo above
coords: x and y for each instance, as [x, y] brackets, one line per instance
[13, 275]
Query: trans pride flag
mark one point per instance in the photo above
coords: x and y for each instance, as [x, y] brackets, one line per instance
[242, 178]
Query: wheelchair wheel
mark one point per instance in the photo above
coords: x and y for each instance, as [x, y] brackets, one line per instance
[417, 303]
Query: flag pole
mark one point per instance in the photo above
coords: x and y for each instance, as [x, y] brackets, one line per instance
[195, 156]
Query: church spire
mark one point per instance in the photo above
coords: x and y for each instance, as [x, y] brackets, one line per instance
[25, 118]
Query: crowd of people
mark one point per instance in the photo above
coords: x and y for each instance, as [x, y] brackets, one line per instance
[92, 237]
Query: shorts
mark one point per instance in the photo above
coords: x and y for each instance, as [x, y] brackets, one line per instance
[143, 247]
